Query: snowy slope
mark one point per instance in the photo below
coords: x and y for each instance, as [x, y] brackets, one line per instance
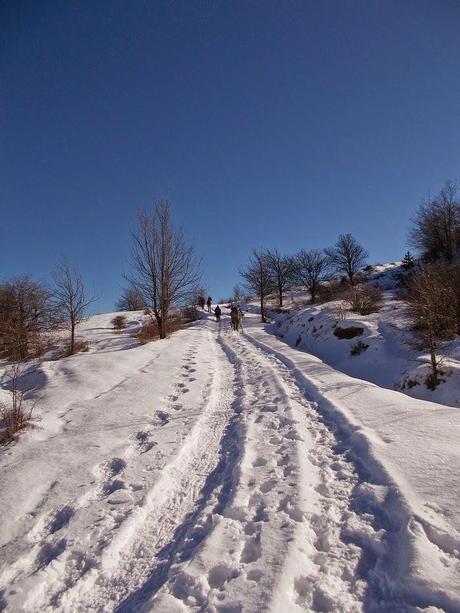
[387, 359]
[218, 471]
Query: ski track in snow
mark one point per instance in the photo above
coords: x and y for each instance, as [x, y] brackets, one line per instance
[257, 504]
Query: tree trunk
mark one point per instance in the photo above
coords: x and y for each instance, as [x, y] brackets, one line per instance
[280, 295]
[434, 367]
[72, 337]
[262, 308]
[164, 321]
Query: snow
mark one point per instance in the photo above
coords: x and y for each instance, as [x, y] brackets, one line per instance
[388, 360]
[226, 472]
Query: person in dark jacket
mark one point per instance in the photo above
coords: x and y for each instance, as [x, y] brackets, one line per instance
[209, 303]
[217, 312]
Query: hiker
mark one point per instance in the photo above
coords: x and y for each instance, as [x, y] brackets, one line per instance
[217, 312]
[201, 302]
[235, 317]
[209, 303]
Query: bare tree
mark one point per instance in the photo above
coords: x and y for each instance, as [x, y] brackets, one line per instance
[258, 278]
[26, 313]
[311, 269]
[164, 268]
[237, 293]
[70, 298]
[281, 268]
[130, 300]
[433, 310]
[347, 256]
[436, 226]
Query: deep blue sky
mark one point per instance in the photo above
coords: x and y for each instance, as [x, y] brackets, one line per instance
[266, 123]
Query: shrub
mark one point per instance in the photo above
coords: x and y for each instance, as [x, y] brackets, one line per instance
[148, 332]
[80, 347]
[119, 322]
[26, 313]
[365, 299]
[349, 332]
[334, 290]
[340, 312]
[189, 314]
[358, 348]
[433, 308]
[14, 414]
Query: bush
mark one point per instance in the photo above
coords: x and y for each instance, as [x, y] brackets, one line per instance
[119, 322]
[148, 332]
[340, 312]
[14, 415]
[365, 299]
[80, 347]
[349, 332]
[334, 290]
[358, 348]
[26, 314]
[189, 314]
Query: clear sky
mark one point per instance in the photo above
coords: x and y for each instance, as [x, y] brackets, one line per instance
[266, 123]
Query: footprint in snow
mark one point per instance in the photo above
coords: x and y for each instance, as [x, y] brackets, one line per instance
[60, 519]
[163, 417]
[49, 552]
[143, 441]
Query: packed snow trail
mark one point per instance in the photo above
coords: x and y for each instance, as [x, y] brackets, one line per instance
[278, 544]
[205, 478]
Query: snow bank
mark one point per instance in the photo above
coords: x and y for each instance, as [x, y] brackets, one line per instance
[381, 353]
[409, 446]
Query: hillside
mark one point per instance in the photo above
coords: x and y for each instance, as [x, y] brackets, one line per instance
[387, 358]
[222, 471]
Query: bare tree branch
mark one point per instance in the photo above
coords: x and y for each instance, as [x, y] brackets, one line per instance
[70, 297]
[165, 271]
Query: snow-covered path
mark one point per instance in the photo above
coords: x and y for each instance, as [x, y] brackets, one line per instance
[203, 476]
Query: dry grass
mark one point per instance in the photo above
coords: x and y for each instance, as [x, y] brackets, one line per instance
[365, 299]
[119, 322]
[349, 332]
[15, 416]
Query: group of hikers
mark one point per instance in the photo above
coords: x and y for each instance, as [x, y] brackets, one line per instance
[202, 302]
[236, 314]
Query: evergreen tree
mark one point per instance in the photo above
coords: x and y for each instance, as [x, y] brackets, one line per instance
[408, 261]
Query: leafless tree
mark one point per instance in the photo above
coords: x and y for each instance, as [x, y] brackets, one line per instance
[347, 256]
[26, 313]
[311, 269]
[165, 271]
[281, 268]
[70, 298]
[237, 293]
[436, 227]
[258, 278]
[130, 300]
[433, 309]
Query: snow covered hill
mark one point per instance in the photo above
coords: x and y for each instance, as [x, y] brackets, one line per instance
[381, 353]
[226, 472]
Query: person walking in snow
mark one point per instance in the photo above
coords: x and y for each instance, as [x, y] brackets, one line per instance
[201, 302]
[235, 317]
[209, 303]
[217, 312]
